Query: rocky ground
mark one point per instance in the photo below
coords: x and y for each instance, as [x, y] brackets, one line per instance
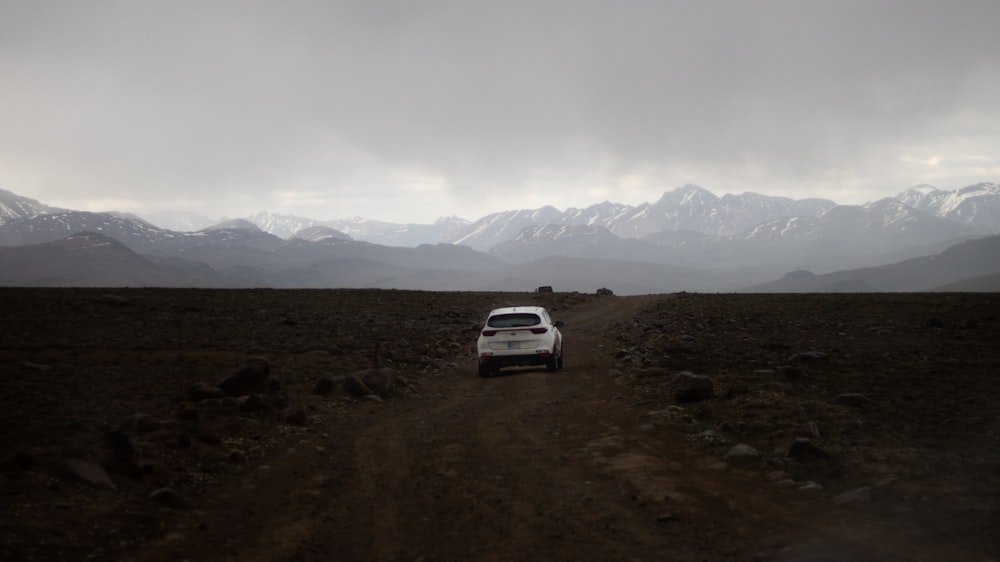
[151, 424]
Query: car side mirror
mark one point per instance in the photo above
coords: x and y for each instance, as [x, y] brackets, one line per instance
[559, 324]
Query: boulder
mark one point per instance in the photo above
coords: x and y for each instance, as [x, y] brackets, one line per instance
[381, 380]
[253, 403]
[90, 472]
[121, 446]
[323, 386]
[201, 391]
[356, 387]
[743, 455]
[144, 423]
[245, 380]
[804, 450]
[689, 387]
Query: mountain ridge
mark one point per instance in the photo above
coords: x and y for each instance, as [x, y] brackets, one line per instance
[524, 244]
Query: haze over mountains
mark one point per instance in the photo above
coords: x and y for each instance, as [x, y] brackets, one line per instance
[690, 239]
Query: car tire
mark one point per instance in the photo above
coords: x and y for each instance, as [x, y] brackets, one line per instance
[485, 371]
[559, 361]
[552, 364]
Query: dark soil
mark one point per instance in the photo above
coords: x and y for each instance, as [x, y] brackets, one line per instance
[598, 461]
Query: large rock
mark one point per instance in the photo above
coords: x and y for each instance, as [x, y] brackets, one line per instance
[90, 472]
[381, 380]
[245, 380]
[804, 450]
[201, 391]
[743, 455]
[689, 387]
[323, 386]
[356, 386]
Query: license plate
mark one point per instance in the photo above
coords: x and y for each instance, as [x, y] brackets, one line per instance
[512, 345]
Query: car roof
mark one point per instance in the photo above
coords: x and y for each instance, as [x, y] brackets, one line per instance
[514, 309]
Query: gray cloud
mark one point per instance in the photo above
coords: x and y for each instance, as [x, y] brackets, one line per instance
[392, 109]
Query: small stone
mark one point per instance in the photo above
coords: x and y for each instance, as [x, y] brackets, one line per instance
[296, 417]
[36, 366]
[144, 423]
[201, 391]
[853, 400]
[121, 445]
[804, 450]
[743, 454]
[253, 403]
[859, 495]
[791, 373]
[811, 487]
[186, 411]
[169, 497]
[810, 356]
[208, 438]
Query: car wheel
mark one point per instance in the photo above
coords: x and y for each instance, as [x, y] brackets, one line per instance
[485, 371]
[559, 361]
[552, 364]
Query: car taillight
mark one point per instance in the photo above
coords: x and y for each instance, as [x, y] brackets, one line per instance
[539, 330]
[488, 333]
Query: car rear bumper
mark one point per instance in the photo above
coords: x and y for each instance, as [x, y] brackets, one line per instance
[498, 361]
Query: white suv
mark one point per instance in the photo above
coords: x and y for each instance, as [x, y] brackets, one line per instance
[520, 335]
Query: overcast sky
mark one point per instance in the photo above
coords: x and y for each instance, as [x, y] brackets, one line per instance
[410, 110]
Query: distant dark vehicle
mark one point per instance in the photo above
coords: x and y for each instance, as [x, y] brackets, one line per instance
[605, 292]
[523, 335]
[545, 289]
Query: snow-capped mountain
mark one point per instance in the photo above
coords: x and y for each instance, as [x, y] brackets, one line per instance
[14, 206]
[319, 234]
[180, 221]
[687, 208]
[282, 226]
[393, 234]
[976, 205]
[496, 228]
[841, 237]
[887, 218]
[572, 240]
[136, 234]
[685, 228]
[358, 228]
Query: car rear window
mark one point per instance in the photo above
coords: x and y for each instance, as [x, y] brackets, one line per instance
[515, 320]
